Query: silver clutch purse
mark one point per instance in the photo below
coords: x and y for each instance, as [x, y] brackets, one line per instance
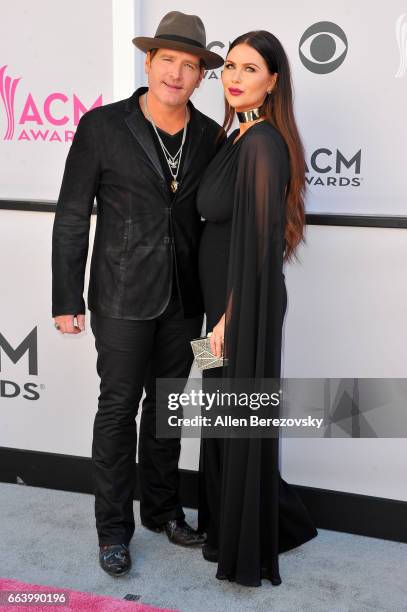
[204, 358]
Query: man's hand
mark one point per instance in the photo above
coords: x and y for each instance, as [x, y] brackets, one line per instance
[67, 325]
[217, 337]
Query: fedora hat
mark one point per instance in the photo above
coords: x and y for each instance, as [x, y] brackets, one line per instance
[181, 32]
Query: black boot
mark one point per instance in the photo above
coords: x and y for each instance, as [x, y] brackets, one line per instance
[115, 559]
[179, 532]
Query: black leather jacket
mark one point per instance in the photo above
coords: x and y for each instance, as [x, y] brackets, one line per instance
[113, 158]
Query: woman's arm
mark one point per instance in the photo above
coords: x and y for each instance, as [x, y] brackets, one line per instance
[253, 318]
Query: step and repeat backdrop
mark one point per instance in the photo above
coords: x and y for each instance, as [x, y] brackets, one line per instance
[349, 75]
[347, 295]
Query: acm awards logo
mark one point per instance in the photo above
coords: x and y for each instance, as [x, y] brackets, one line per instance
[41, 119]
[322, 50]
[327, 168]
[29, 345]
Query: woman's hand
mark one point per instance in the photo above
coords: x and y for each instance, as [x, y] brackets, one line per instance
[217, 337]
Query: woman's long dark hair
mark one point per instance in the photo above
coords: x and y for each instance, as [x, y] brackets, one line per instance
[279, 112]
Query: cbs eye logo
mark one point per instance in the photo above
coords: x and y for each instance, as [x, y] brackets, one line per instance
[323, 47]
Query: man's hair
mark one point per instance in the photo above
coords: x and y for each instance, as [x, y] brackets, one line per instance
[201, 61]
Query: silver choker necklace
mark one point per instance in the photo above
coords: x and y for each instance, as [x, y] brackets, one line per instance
[250, 115]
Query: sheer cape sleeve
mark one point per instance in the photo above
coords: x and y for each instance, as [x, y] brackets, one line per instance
[256, 297]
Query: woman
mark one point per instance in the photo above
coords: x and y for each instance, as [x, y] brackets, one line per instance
[251, 197]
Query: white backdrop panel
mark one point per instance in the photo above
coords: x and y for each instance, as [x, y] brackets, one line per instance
[59, 58]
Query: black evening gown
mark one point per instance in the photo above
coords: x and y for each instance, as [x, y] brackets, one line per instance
[249, 512]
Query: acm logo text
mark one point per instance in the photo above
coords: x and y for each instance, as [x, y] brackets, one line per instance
[331, 168]
[9, 388]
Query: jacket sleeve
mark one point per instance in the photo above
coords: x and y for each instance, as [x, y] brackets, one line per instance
[70, 236]
[255, 288]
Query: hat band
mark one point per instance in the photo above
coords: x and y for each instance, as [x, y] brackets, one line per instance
[181, 39]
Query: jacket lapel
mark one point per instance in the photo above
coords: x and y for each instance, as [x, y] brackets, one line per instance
[138, 127]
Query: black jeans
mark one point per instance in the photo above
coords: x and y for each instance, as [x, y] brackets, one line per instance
[131, 355]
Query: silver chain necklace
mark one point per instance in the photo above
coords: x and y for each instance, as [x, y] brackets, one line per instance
[173, 161]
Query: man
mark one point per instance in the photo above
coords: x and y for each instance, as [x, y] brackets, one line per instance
[142, 159]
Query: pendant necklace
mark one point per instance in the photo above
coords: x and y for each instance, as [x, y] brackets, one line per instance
[173, 161]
